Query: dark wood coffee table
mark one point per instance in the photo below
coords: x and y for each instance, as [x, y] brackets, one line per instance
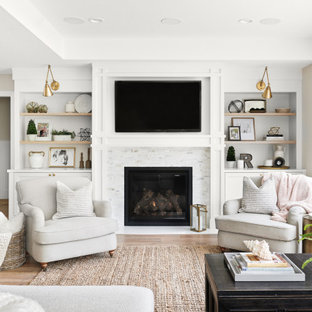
[223, 294]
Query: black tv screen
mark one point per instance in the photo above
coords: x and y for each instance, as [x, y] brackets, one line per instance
[157, 106]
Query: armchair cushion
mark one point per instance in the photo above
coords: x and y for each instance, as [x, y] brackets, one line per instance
[259, 225]
[73, 229]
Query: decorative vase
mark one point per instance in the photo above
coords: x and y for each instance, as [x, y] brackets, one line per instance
[66, 137]
[36, 159]
[230, 164]
[70, 107]
[31, 137]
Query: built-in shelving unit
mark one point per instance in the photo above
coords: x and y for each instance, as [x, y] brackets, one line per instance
[262, 142]
[57, 142]
[56, 114]
[259, 114]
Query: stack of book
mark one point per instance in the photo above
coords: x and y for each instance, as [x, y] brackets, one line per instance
[274, 137]
[247, 263]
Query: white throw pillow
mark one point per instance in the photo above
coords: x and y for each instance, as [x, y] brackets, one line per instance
[13, 303]
[4, 243]
[73, 203]
[14, 225]
[261, 199]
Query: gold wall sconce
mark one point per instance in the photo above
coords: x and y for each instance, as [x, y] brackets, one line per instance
[267, 94]
[55, 85]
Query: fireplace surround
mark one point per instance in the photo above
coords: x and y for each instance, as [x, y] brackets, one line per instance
[157, 195]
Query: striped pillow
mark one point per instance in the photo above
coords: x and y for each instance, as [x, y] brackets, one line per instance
[261, 199]
[73, 203]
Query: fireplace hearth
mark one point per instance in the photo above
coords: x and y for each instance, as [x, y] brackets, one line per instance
[158, 195]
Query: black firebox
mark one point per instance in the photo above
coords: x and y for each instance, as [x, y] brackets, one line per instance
[158, 195]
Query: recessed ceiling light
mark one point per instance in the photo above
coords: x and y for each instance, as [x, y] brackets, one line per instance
[270, 21]
[73, 20]
[245, 20]
[96, 20]
[170, 21]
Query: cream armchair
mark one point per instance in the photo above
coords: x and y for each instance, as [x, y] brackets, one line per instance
[49, 240]
[235, 227]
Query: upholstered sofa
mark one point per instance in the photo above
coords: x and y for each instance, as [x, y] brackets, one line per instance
[235, 227]
[49, 240]
[86, 298]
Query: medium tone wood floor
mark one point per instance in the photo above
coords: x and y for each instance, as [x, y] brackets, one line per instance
[26, 273]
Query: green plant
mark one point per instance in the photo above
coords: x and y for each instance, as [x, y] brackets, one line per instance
[31, 129]
[307, 236]
[64, 132]
[231, 154]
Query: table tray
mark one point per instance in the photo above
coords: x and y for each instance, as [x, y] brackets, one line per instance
[263, 276]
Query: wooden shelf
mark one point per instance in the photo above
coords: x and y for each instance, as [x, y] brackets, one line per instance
[260, 142]
[259, 114]
[56, 114]
[57, 142]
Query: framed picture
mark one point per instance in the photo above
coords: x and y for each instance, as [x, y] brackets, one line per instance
[247, 127]
[62, 157]
[234, 133]
[44, 130]
[255, 106]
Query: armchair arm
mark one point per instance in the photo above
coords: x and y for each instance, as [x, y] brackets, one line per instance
[295, 217]
[231, 206]
[102, 208]
[35, 214]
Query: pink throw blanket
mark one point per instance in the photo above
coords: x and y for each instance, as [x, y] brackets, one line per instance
[291, 190]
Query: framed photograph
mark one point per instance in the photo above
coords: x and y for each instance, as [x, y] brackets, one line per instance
[234, 133]
[247, 127]
[62, 157]
[255, 106]
[44, 129]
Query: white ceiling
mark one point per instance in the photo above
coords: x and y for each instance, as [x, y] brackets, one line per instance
[200, 18]
[33, 32]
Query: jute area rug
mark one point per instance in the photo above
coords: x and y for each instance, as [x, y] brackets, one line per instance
[174, 273]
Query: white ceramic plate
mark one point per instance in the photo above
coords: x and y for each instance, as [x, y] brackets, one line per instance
[83, 103]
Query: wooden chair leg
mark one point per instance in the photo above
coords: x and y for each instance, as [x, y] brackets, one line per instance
[44, 266]
[111, 252]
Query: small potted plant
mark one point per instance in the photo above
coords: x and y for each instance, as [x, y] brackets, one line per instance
[63, 135]
[31, 131]
[230, 158]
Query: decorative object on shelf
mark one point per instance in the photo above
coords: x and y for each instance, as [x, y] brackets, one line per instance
[63, 135]
[267, 94]
[247, 159]
[234, 133]
[240, 164]
[62, 157]
[84, 134]
[43, 109]
[54, 84]
[255, 106]
[247, 127]
[274, 134]
[83, 103]
[36, 159]
[31, 131]
[236, 106]
[199, 215]
[268, 163]
[88, 161]
[81, 163]
[70, 107]
[32, 107]
[279, 156]
[43, 130]
[260, 249]
[230, 158]
[282, 110]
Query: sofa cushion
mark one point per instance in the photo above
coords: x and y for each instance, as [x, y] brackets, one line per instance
[72, 229]
[259, 225]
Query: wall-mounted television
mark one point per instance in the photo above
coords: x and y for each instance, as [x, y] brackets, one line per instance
[157, 106]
